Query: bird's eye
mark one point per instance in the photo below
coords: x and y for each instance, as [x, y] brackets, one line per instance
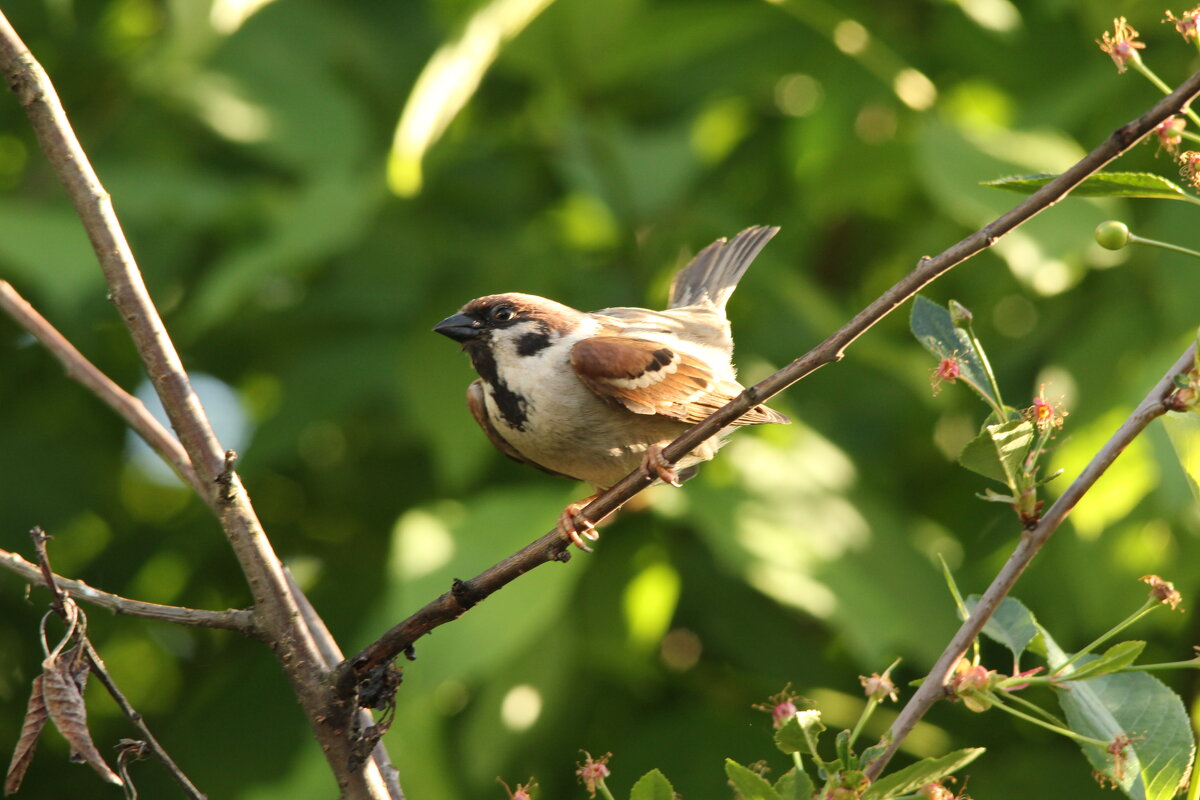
[503, 313]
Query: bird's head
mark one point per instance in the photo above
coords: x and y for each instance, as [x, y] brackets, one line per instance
[525, 323]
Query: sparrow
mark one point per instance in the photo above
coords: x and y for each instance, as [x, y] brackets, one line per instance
[593, 396]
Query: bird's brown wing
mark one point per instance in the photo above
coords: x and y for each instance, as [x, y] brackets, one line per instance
[478, 409]
[648, 377]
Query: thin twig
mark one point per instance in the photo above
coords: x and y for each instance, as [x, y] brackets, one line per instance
[97, 667]
[551, 547]
[139, 722]
[78, 368]
[236, 619]
[933, 687]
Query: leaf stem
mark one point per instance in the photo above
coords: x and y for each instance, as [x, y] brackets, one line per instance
[1191, 663]
[1034, 707]
[872, 702]
[998, 401]
[1146, 608]
[963, 613]
[1059, 729]
[1135, 239]
[1150, 75]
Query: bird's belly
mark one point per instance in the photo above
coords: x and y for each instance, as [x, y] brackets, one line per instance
[572, 431]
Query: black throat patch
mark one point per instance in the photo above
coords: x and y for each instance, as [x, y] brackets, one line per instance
[512, 406]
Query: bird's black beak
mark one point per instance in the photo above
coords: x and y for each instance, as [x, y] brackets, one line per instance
[459, 327]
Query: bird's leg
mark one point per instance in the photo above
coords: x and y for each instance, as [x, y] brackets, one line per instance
[574, 529]
[654, 464]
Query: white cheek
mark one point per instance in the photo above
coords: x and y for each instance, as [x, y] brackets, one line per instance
[539, 376]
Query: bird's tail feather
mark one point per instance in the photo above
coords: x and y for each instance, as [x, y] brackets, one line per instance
[714, 273]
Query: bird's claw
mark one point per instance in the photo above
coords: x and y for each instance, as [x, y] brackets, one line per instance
[655, 464]
[574, 529]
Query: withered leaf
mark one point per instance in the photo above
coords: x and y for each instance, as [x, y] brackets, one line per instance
[77, 666]
[65, 704]
[35, 720]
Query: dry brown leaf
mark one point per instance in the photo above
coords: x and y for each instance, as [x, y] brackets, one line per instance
[65, 704]
[35, 719]
[76, 663]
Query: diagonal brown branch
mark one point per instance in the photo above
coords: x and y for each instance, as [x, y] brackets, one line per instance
[235, 619]
[78, 368]
[933, 688]
[551, 547]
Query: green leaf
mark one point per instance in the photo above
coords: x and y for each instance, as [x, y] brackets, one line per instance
[799, 734]
[795, 785]
[1117, 657]
[876, 750]
[1101, 184]
[979, 456]
[844, 753]
[790, 737]
[652, 786]
[1184, 432]
[938, 334]
[914, 776]
[1012, 625]
[749, 785]
[999, 451]
[1139, 707]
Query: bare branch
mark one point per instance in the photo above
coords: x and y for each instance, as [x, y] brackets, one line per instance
[277, 611]
[94, 205]
[933, 688]
[240, 620]
[552, 547]
[78, 368]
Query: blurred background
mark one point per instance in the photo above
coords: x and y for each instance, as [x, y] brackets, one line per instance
[310, 186]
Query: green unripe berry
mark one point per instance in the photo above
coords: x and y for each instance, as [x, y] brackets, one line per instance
[1112, 235]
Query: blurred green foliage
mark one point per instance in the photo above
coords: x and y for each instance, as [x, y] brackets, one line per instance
[248, 152]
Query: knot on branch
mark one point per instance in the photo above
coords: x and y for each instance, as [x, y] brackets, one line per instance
[376, 689]
[225, 478]
[377, 686]
[465, 594]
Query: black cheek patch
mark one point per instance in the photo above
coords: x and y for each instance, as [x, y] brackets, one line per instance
[534, 342]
